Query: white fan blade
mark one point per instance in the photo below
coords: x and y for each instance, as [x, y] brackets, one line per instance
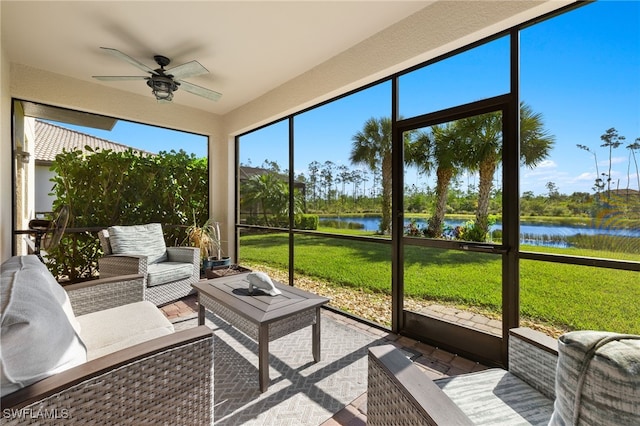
[200, 91]
[119, 77]
[127, 58]
[190, 69]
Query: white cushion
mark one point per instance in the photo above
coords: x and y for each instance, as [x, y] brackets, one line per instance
[147, 240]
[117, 328]
[167, 272]
[498, 398]
[601, 370]
[39, 333]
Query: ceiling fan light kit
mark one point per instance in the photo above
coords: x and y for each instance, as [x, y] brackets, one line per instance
[164, 82]
[162, 87]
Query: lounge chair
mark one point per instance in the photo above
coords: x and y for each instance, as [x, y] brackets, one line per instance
[141, 249]
[598, 383]
[96, 354]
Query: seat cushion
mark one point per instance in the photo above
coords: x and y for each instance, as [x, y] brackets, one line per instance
[111, 330]
[147, 240]
[608, 366]
[166, 272]
[497, 397]
[39, 334]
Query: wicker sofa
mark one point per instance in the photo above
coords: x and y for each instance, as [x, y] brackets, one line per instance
[96, 353]
[584, 377]
[141, 249]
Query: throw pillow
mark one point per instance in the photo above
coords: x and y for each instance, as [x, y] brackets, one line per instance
[598, 379]
[39, 333]
[147, 240]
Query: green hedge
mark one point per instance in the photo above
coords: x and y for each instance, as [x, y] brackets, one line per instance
[300, 221]
[306, 221]
[123, 188]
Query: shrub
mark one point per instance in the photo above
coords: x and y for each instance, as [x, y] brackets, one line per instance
[124, 188]
[340, 224]
[306, 221]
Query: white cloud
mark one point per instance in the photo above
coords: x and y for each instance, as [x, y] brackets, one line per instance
[584, 177]
[614, 160]
[547, 164]
[619, 160]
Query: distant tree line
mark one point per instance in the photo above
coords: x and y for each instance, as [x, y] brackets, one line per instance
[471, 144]
[467, 146]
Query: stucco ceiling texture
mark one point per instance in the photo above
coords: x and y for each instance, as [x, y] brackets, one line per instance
[249, 47]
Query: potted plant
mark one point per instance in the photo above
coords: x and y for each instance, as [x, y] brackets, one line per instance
[207, 239]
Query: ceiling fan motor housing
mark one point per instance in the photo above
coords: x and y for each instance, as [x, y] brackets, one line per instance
[163, 61]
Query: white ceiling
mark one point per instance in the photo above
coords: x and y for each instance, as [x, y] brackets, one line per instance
[249, 47]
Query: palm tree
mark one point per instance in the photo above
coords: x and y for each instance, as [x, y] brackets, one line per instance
[484, 134]
[372, 148]
[442, 150]
[267, 193]
[611, 140]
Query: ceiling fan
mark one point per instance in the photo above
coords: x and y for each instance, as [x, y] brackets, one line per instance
[163, 82]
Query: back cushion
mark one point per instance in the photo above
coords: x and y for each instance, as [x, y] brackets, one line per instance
[146, 240]
[39, 334]
[599, 374]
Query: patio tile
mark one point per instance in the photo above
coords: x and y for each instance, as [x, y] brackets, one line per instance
[466, 315]
[463, 363]
[456, 372]
[434, 362]
[442, 355]
[430, 372]
[432, 365]
[406, 342]
[425, 348]
[360, 403]
[346, 415]
[170, 309]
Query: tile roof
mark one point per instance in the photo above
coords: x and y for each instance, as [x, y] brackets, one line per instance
[52, 139]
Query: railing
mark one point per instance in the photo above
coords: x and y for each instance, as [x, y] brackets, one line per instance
[75, 259]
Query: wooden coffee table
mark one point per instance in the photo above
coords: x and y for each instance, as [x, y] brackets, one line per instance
[261, 317]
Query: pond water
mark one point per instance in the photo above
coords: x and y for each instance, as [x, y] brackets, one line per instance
[530, 233]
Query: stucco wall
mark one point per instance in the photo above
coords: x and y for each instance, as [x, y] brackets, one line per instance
[43, 186]
[5, 156]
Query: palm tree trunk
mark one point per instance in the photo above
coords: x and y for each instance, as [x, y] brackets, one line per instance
[486, 171]
[442, 190]
[637, 174]
[385, 224]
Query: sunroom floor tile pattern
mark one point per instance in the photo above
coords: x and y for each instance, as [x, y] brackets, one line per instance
[300, 392]
[328, 393]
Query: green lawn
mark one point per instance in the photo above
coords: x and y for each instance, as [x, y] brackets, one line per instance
[566, 296]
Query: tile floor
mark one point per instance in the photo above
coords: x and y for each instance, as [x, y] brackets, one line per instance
[435, 362]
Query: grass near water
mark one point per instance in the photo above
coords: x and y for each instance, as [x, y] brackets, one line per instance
[561, 295]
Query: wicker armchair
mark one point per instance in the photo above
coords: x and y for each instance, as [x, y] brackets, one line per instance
[163, 380]
[586, 377]
[399, 393]
[140, 249]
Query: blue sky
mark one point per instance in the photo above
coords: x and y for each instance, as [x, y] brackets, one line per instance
[150, 138]
[581, 71]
